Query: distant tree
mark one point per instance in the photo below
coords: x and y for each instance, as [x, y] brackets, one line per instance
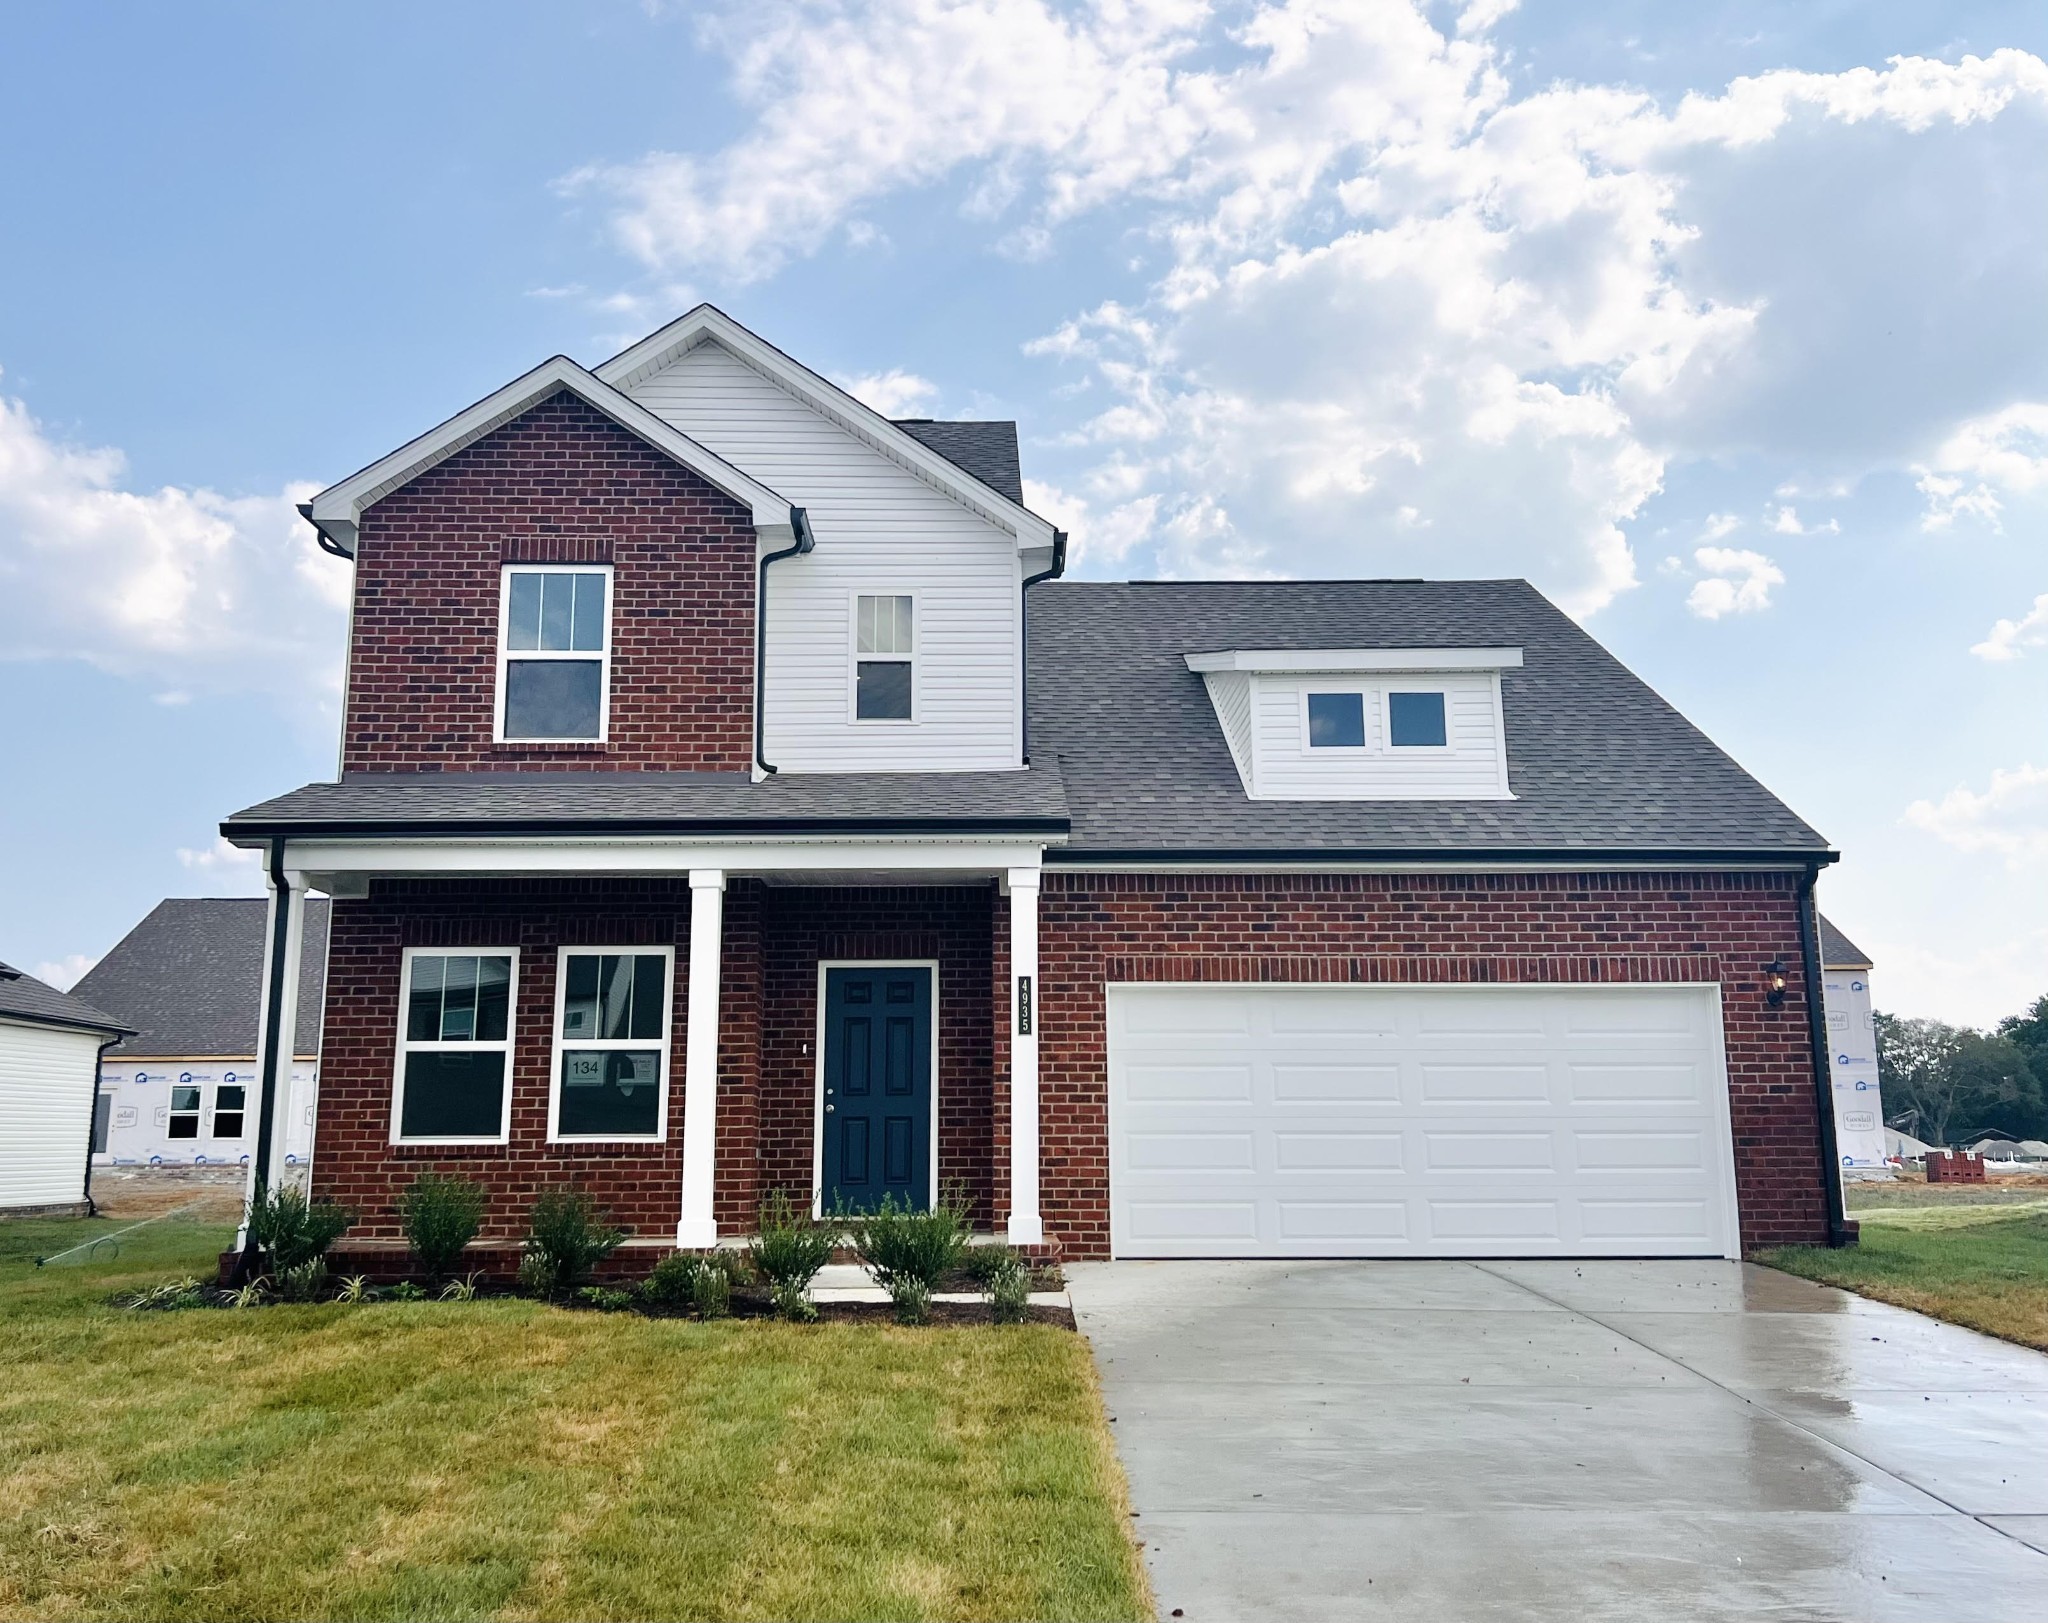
[1956, 1081]
[2029, 1034]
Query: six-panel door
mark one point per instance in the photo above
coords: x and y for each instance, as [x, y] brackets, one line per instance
[876, 1117]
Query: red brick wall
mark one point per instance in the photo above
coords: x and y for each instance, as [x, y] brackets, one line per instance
[773, 941]
[1428, 927]
[560, 483]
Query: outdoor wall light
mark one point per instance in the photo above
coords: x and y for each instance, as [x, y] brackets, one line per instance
[1774, 983]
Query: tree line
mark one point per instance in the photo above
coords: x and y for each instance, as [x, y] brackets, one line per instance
[1949, 1084]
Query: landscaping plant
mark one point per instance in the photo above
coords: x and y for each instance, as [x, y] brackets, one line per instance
[793, 1302]
[291, 1231]
[305, 1283]
[672, 1282]
[711, 1294]
[566, 1237]
[895, 1242]
[790, 1245]
[913, 1299]
[440, 1216]
[1009, 1291]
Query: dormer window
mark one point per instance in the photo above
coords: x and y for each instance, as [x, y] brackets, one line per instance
[1336, 721]
[554, 655]
[1415, 720]
[884, 658]
[1363, 723]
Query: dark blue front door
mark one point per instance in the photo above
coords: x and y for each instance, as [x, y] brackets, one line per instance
[878, 1086]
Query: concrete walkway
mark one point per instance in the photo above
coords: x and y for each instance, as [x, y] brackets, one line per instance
[1441, 1441]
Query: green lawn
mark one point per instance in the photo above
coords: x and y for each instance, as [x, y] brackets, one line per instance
[504, 1459]
[1983, 1265]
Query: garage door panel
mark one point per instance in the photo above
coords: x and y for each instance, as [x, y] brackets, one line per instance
[1444, 1083]
[1604, 1134]
[1294, 1083]
[1478, 1014]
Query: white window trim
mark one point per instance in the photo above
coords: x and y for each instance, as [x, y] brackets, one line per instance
[404, 1046]
[638, 1045]
[854, 657]
[818, 1072]
[1388, 746]
[507, 655]
[1365, 711]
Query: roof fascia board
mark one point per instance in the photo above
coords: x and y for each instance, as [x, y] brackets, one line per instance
[1398, 861]
[768, 830]
[708, 322]
[1335, 660]
[60, 1022]
[662, 856]
[338, 509]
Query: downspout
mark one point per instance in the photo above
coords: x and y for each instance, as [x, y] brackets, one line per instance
[99, 1060]
[800, 526]
[1052, 571]
[281, 925]
[1839, 1232]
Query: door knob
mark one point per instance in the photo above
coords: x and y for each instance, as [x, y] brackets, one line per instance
[830, 1108]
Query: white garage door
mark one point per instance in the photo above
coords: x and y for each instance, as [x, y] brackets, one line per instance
[1314, 1121]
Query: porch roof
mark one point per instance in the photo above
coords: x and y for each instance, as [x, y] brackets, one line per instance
[1029, 802]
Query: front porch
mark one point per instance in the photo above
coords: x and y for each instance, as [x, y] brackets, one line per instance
[757, 952]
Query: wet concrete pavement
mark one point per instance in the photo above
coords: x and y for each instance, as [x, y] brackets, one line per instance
[1582, 1440]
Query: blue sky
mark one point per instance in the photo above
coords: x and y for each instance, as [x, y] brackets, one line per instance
[1724, 323]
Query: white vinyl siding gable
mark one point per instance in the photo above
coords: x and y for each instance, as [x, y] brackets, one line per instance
[1231, 693]
[881, 530]
[46, 1094]
[1470, 765]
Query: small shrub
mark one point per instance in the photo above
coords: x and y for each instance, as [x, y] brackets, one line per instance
[737, 1267]
[461, 1290]
[1009, 1292]
[711, 1294]
[569, 1236]
[791, 1245]
[404, 1291]
[605, 1299]
[673, 1281]
[534, 1278]
[290, 1230]
[305, 1283]
[793, 1302]
[165, 1298]
[985, 1262]
[440, 1215]
[253, 1294]
[353, 1289]
[895, 1242]
[913, 1299]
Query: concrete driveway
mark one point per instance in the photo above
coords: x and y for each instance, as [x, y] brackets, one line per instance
[1530, 1440]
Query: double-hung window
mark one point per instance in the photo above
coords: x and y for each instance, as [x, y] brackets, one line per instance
[455, 1047]
[229, 1106]
[611, 1043]
[554, 654]
[884, 657]
[184, 1117]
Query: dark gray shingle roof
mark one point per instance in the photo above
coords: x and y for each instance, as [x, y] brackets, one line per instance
[1837, 951]
[987, 450]
[23, 997]
[1595, 758]
[705, 802]
[189, 977]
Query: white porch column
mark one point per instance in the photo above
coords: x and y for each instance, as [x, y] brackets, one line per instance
[697, 1228]
[1025, 1226]
[276, 1025]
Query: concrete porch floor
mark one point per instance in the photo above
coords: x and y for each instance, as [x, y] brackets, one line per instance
[1572, 1440]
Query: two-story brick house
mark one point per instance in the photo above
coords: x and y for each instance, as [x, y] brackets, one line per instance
[733, 797]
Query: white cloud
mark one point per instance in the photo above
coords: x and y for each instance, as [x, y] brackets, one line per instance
[185, 587]
[1719, 525]
[1788, 522]
[1999, 453]
[2008, 638]
[1738, 582]
[225, 868]
[64, 973]
[1391, 316]
[2009, 819]
[894, 393]
[1098, 533]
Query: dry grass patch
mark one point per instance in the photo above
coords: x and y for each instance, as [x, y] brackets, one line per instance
[1989, 1273]
[501, 1459]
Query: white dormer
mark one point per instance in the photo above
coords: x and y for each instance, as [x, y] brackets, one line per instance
[1363, 723]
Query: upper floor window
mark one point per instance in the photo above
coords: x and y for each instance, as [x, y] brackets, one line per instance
[1336, 721]
[884, 658]
[1415, 720]
[554, 654]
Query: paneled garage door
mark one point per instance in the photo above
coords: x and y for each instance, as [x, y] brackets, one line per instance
[1390, 1121]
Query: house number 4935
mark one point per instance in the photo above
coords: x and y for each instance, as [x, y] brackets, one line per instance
[1023, 1005]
